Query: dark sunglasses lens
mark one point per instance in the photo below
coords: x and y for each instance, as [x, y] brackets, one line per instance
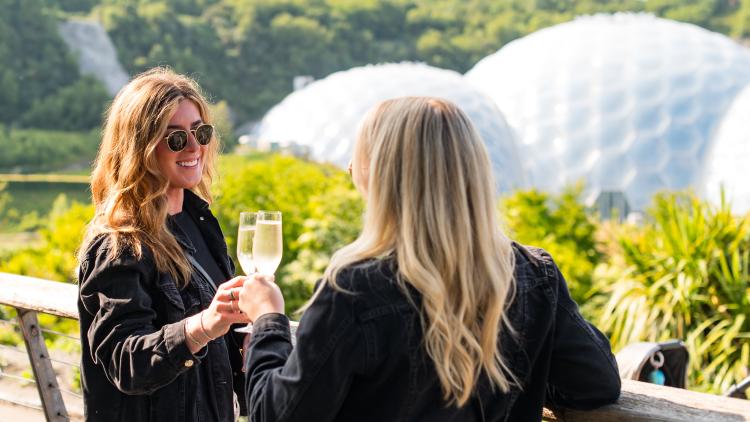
[203, 134]
[177, 140]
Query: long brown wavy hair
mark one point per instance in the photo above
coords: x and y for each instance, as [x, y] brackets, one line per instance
[430, 203]
[127, 186]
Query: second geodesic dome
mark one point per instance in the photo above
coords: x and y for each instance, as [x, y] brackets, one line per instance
[323, 116]
[625, 102]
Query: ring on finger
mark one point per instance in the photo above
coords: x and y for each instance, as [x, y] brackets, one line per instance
[231, 295]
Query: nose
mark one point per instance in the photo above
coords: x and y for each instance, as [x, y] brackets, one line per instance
[192, 144]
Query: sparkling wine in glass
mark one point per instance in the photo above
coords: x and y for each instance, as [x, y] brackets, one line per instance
[245, 237]
[267, 245]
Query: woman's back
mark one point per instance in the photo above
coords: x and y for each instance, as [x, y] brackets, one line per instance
[486, 329]
[360, 355]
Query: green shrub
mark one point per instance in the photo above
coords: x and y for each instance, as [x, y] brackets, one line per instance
[560, 224]
[55, 258]
[321, 211]
[683, 274]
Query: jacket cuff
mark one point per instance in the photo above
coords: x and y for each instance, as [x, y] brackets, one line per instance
[277, 324]
[177, 348]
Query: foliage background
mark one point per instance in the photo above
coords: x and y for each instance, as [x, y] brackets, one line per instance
[683, 273]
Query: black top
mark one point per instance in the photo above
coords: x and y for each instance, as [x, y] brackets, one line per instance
[182, 221]
[135, 361]
[360, 355]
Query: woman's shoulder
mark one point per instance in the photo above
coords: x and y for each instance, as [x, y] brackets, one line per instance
[534, 267]
[367, 274]
[102, 254]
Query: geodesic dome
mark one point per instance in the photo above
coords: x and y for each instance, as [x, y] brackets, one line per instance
[626, 102]
[324, 115]
[729, 156]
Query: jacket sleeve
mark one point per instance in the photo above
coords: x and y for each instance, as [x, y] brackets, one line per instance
[137, 357]
[583, 372]
[310, 382]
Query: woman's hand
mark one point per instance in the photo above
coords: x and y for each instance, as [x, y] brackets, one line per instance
[260, 296]
[215, 320]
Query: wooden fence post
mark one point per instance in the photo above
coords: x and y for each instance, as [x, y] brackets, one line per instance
[46, 380]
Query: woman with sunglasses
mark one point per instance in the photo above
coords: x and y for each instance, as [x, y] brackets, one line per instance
[154, 301]
[432, 314]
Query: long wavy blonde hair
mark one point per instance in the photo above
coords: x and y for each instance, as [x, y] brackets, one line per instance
[430, 203]
[128, 189]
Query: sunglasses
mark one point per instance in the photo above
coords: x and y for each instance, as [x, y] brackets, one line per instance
[177, 140]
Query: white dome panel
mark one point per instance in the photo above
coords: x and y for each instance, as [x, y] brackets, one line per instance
[642, 94]
[729, 156]
[324, 115]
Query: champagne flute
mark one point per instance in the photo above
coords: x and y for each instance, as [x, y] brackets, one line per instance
[245, 236]
[267, 247]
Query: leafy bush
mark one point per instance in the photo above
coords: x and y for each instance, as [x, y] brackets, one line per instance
[683, 274]
[55, 258]
[320, 211]
[561, 224]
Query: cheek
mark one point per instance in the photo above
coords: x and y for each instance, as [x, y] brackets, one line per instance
[163, 159]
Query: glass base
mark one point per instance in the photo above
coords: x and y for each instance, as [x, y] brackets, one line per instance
[245, 330]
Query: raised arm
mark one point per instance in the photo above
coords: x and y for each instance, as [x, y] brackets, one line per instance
[310, 382]
[137, 357]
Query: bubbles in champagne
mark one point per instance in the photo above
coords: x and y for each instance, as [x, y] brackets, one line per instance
[267, 246]
[245, 249]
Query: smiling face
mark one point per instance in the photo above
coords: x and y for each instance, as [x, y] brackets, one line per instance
[183, 169]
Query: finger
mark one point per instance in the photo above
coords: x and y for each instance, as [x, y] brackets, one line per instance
[238, 318]
[234, 318]
[228, 294]
[227, 307]
[235, 282]
[263, 277]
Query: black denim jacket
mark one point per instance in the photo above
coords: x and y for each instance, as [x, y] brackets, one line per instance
[135, 363]
[359, 357]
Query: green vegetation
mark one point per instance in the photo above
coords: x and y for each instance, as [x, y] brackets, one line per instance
[40, 85]
[561, 225]
[31, 150]
[321, 212]
[246, 52]
[682, 274]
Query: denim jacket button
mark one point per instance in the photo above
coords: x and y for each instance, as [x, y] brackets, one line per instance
[189, 363]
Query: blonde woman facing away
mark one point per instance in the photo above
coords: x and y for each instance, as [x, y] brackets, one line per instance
[154, 301]
[432, 314]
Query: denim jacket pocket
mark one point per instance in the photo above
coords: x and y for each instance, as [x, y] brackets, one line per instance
[168, 288]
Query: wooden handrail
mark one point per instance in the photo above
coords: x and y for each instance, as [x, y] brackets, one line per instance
[639, 401]
[36, 294]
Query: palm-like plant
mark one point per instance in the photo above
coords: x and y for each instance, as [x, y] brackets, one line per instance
[684, 274]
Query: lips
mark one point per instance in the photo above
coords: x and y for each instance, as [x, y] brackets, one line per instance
[191, 163]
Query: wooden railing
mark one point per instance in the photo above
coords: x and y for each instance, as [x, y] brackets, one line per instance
[639, 401]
